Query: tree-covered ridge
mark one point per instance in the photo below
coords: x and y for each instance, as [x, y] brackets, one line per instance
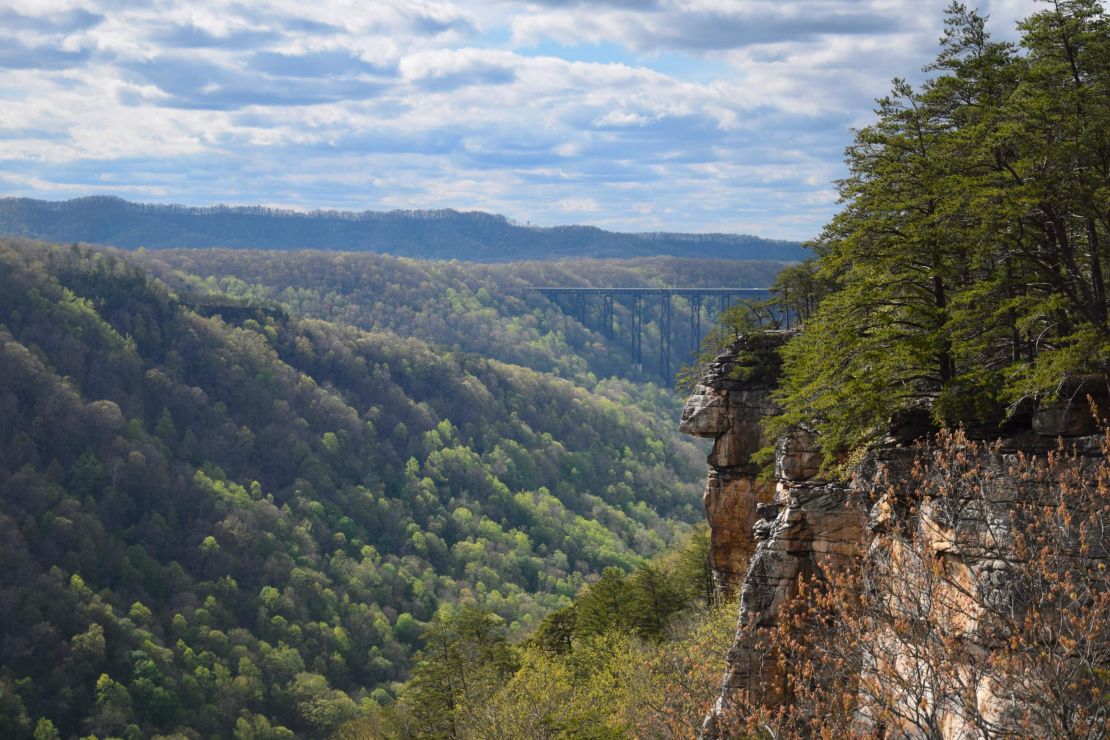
[477, 308]
[441, 234]
[968, 264]
[230, 525]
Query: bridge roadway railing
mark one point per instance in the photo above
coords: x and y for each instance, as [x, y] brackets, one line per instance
[694, 296]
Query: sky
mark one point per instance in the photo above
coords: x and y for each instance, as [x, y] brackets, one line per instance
[632, 115]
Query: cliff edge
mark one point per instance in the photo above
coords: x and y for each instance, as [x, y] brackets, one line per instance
[957, 555]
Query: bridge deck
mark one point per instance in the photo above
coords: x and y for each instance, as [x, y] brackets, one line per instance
[647, 291]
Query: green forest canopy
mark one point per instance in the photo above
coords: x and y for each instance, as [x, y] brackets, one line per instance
[469, 307]
[965, 273]
[246, 522]
[963, 276]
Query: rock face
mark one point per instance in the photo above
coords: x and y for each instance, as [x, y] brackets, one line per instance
[1072, 416]
[954, 559]
[765, 534]
[729, 407]
[810, 525]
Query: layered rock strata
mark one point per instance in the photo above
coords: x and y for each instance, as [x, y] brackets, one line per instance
[767, 534]
[729, 407]
[953, 561]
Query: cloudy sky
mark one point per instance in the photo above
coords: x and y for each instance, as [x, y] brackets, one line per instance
[637, 115]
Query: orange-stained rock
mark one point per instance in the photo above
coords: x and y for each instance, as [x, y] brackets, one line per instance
[765, 535]
[730, 407]
[730, 508]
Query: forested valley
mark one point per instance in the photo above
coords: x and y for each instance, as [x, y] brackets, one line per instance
[221, 516]
[475, 308]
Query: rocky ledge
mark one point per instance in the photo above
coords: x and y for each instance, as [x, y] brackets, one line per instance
[770, 533]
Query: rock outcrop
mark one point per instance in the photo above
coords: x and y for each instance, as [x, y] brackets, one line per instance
[768, 533]
[729, 407]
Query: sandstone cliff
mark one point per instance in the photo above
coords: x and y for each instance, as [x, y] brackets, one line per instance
[729, 407]
[954, 557]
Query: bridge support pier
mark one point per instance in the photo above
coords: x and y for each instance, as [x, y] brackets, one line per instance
[637, 333]
[665, 336]
[607, 315]
[695, 324]
[579, 298]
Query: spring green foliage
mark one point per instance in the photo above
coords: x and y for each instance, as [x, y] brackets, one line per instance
[466, 657]
[245, 525]
[637, 654]
[968, 260]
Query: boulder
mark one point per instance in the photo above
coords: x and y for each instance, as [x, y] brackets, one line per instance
[797, 456]
[1075, 413]
[705, 413]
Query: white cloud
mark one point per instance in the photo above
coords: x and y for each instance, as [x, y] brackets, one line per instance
[699, 115]
[578, 205]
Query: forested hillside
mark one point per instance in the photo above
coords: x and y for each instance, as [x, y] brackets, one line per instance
[443, 234]
[484, 309]
[231, 524]
[255, 487]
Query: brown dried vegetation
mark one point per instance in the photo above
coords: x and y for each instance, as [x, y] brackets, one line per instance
[981, 607]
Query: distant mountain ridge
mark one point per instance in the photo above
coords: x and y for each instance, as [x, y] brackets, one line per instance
[436, 234]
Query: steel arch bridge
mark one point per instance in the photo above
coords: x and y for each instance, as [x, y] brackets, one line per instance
[636, 299]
